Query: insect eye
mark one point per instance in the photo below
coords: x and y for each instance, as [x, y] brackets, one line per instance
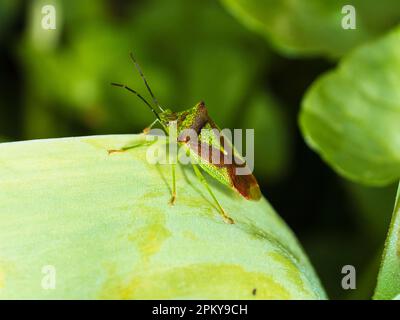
[184, 138]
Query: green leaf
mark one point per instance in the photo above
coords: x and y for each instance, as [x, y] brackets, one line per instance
[104, 224]
[388, 286]
[314, 27]
[351, 116]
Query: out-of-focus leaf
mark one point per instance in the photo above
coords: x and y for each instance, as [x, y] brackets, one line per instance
[388, 286]
[315, 27]
[103, 224]
[351, 116]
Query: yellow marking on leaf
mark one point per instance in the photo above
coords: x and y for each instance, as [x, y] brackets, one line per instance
[291, 269]
[149, 233]
[207, 280]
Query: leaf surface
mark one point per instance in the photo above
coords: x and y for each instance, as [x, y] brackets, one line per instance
[388, 285]
[103, 222]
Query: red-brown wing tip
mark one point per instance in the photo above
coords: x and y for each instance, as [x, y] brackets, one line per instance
[247, 186]
[254, 193]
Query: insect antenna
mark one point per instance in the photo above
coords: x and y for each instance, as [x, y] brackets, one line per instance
[145, 81]
[138, 95]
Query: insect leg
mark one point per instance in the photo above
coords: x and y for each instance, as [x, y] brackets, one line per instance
[147, 129]
[129, 147]
[173, 196]
[225, 216]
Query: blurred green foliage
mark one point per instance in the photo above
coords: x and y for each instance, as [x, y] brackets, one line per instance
[57, 83]
[189, 52]
[314, 27]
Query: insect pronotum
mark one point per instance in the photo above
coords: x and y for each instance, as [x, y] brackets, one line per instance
[197, 120]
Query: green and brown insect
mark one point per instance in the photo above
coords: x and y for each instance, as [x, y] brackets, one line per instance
[210, 139]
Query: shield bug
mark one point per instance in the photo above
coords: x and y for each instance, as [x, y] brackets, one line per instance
[209, 148]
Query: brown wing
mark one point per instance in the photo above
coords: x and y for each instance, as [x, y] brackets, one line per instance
[213, 159]
[246, 185]
[214, 162]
